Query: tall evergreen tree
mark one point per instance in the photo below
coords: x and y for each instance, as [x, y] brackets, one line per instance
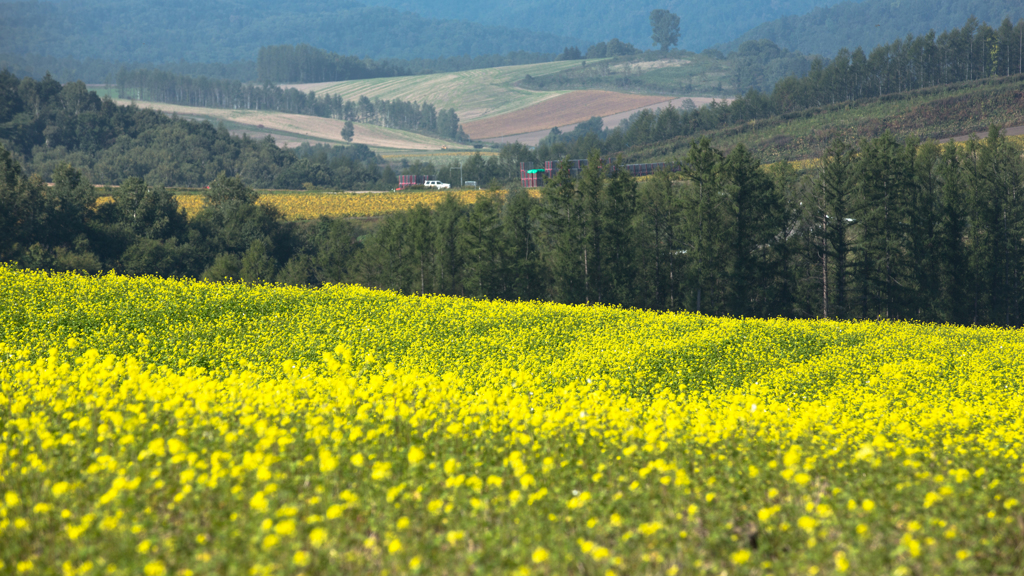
[885, 272]
[617, 213]
[702, 227]
[564, 226]
[755, 275]
[525, 276]
[952, 304]
[654, 238]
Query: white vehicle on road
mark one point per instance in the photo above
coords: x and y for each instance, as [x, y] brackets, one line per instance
[436, 184]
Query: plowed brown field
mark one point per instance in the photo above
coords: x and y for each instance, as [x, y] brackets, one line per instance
[558, 111]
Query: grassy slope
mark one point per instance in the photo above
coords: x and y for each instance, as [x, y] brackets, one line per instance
[939, 112]
[676, 74]
[473, 93]
[294, 128]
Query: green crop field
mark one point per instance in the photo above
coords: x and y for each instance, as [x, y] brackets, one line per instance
[473, 93]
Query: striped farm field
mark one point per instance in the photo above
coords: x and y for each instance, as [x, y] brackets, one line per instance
[472, 93]
[569, 108]
[176, 427]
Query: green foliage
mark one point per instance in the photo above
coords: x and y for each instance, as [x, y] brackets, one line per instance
[304, 64]
[50, 126]
[664, 28]
[158, 86]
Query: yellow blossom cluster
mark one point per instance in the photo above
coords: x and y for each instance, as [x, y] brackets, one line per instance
[311, 205]
[164, 427]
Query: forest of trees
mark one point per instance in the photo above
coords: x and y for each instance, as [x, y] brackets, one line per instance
[159, 86]
[305, 64]
[46, 125]
[974, 51]
[198, 31]
[885, 229]
[868, 23]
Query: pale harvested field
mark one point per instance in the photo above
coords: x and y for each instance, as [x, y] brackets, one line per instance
[293, 129]
[652, 65]
[559, 111]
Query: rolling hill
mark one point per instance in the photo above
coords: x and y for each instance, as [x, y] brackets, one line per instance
[290, 130]
[872, 22]
[159, 31]
[941, 112]
[705, 22]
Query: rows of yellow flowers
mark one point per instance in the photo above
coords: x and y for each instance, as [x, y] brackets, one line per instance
[176, 427]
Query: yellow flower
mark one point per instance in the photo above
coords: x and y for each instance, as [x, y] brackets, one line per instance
[285, 527]
[416, 455]
[154, 568]
[740, 557]
[301, 558]
[59, 489]
[540, 554]
[259, 502]
[394, 546]
[842, 564]
[317, 537]
[381, 471]
[328, 463]
[357, 460]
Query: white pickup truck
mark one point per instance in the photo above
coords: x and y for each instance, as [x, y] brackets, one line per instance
[436, 184]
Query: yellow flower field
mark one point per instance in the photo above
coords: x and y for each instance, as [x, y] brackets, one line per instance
[310, 205]
[177, 427]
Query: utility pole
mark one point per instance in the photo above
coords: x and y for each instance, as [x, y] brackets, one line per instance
[450, 168]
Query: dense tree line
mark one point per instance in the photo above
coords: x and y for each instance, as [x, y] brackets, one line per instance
[885, 229]
[47, 125]
[160, 86]
[305, 64]
[143, 231]
[95, 71]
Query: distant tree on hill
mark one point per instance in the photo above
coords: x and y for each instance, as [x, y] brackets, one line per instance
[570, 53]
[664, 28]
[348, 131]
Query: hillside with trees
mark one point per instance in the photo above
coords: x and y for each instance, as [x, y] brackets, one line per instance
[157, 86]
[869, 23]
[227, 31]
[46, 125]
[705, 22]
[935, 65]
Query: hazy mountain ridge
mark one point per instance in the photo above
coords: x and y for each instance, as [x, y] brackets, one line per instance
[704, 22]
[160, 31]
[869, 23]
